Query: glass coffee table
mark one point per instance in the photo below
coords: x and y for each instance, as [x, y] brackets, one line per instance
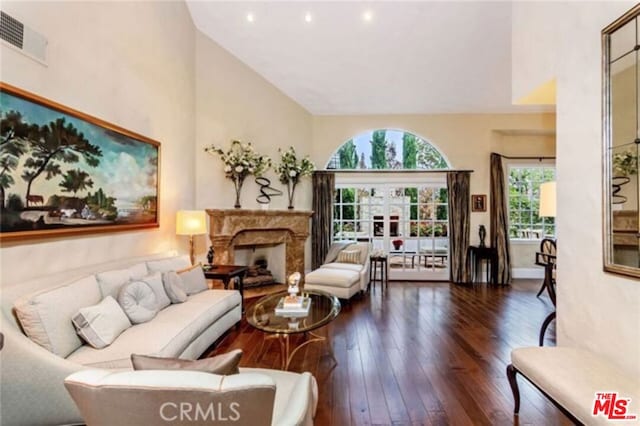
[324, 309]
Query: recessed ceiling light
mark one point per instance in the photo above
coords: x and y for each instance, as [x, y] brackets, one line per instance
[308, 17]
[367, 15]
[250, 17]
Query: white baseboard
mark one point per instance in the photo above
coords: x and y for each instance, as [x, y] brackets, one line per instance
[528, 273]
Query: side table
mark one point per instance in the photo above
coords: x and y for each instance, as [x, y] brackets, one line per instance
[225, 273]
[476, 255]
[374, 263]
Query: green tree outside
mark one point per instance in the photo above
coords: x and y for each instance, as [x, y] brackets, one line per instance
[378, 150]
[348, 155]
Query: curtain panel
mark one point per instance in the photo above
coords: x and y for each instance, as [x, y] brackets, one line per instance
[323, 195]
[500, 220]
[459, 223]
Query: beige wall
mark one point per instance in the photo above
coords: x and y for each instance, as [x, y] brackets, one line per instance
[119, 62]
[466, 140]
[596, 310]
[233, 102]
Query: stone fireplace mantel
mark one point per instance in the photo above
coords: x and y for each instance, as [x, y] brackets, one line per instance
[232, 228]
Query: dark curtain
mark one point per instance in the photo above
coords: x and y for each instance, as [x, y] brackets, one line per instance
[323, 193]
[500, 220]
[459, 195]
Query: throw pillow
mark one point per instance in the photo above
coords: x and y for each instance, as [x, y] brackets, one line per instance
[138, 301]
[193, 280]
[100, 324]
[173, 286]
[155, 282]
[349, 256]
[224, 364]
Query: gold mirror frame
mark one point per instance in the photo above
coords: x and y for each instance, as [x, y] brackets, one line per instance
[621, 202]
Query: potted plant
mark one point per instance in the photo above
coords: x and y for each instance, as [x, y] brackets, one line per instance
[397, 244]
[240, 161]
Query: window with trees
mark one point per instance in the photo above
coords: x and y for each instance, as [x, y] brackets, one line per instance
[524, 201]
[387, 150]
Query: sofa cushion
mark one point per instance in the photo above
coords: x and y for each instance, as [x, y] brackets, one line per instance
[167, 335]
[111, 281]
[349, 256]
[171, 264]
[45, 316]
[100, 324]
[572, 376]
[344, 266]
[156, 284]
[138, 301]
[193, 280]
[333, 277]
[174, 287]
[223, 364]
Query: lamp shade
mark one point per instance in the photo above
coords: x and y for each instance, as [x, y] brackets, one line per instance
[191, 222]
[547, 199]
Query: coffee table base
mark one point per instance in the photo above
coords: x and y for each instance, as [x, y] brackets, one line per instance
[286, 352]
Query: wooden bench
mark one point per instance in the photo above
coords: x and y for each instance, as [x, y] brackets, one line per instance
[570, 378]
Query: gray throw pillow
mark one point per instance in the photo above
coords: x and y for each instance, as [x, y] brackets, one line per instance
[224, 364]
[193, 280]
[138, 301]
[174, 287]
[100, 324]
[155, 282]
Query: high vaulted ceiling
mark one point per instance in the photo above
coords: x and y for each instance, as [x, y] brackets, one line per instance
[409, 57]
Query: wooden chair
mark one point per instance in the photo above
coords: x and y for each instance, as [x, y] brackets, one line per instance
[546, 255]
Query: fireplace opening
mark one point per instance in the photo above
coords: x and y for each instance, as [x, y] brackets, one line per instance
[259, 274]
[267, 264]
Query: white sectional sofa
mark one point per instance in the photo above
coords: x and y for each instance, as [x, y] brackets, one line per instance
[33, 376]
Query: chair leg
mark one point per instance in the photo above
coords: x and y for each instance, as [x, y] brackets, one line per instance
[511, 375]
[541, 289]
[545, 324]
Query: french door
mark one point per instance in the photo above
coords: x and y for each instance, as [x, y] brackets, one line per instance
[406, 218]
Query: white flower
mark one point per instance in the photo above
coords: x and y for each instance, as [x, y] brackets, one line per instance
[227, 168]
[239, 169]
[293, 173]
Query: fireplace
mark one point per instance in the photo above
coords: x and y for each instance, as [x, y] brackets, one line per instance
[235, 230]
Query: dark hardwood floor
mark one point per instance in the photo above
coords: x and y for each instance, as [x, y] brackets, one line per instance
[421, 354]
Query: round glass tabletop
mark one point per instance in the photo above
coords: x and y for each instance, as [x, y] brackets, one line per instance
[324, 308]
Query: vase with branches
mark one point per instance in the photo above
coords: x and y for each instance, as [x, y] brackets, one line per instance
[291, 169]
[240, 161]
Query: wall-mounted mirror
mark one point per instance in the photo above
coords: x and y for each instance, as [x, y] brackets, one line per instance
[621, 49]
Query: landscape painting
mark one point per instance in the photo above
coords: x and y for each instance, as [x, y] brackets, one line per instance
[62, 171]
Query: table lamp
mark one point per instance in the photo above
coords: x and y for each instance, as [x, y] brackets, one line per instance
[191, 222]
[547, 200]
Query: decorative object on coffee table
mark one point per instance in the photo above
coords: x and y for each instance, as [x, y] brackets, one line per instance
[479, 203]
[482, 233]
[191, 222]
[240, 161]
[290, 170]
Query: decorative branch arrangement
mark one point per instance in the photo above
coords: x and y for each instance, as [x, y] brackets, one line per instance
[240, 161]
[291, 169]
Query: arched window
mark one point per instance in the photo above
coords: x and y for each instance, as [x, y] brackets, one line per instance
[387, 149]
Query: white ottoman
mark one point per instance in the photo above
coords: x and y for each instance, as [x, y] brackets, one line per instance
[338, 282]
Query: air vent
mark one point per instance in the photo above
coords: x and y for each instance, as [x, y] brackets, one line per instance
[23, 38]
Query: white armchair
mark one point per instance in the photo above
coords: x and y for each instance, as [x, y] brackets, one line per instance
[255, 397]
[342, 279]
